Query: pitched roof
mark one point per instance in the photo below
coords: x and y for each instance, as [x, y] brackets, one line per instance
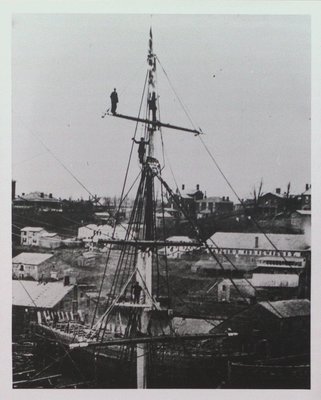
[193, 325]
[188, 193]
[35, 294]
[49, 234]
[180, 239]
[32, 229]
[238, 240]
[288, 308]
[38, 196]
[31, 258]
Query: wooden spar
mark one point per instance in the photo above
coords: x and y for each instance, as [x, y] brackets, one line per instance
[30, 381]
[150, 243]
[150, 339]
[156, 123]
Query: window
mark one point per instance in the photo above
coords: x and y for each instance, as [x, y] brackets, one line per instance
[223, 288]
[22, 268]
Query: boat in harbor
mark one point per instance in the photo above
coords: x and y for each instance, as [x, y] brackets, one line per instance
[135, 342]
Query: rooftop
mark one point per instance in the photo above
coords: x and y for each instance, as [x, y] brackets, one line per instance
[50, 234]
[35, 294]
[191, 326]
[237, 240]
[31, 258]
[32, 229]
[288, 308]
[37, 196]
[180, 239]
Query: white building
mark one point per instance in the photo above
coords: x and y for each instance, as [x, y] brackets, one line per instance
[30, 235]
[258, 244]
[87, 232]
[50, 241]
[31, 265]
[177, 251]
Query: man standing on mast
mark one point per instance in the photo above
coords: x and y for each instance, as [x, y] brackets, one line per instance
[141, 148]
[114, 101]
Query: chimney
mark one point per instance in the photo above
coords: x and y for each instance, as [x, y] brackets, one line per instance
[42, 195]
[227, 198]
[256, 242]
[307, 186]
[50, 195]
[197, 187]
[183, 187]
[13, 190]
[278, 190]
[223, 198]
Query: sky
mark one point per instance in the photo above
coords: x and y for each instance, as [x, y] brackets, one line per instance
[245, 81]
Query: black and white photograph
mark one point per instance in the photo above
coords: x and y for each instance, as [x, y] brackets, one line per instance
[161, 201]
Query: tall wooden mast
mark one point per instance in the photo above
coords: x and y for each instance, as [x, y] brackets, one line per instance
[144, 261]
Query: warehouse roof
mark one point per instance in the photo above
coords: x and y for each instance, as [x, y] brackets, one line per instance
[36, 294]
[238, 240]
[31, 258]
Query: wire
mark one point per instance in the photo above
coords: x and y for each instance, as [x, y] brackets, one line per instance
[56, 158]
[218, 167]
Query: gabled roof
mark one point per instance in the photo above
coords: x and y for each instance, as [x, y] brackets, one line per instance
[288, 308]
[32, 229]
[238, 240]
[180, 239]
[37, 196]
[189, 193]
[269, 194]
[191, 326]
[40, 295]
[31, 258]
[50, 234]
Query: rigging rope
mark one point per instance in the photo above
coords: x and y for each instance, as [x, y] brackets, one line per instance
[121, 197]
[202, 241]
[56, 158]
[219, 168]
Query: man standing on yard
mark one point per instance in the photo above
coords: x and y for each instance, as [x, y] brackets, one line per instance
[114, 101]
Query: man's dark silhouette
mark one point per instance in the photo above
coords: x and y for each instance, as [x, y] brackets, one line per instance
[136, 291]
[141, 148]
[114, 101]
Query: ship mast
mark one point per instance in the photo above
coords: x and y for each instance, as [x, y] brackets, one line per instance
[144, 260]
[145, 234]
